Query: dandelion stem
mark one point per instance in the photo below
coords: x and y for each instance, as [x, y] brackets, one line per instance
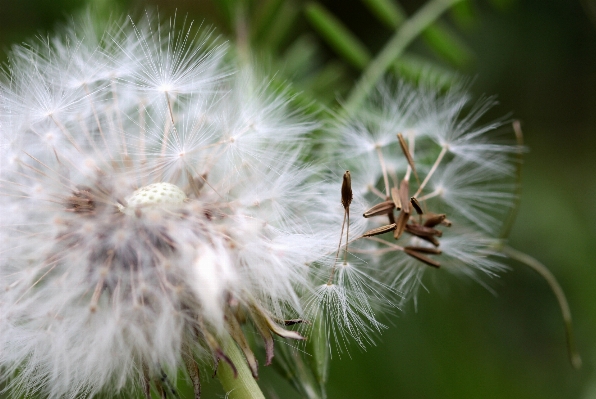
[431, 171]
[395, 48]
[243, 385]
[543, 271]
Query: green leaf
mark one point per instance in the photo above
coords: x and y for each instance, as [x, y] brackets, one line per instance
[337, 35]
[389, 12]
[289, 362]
[318, 346]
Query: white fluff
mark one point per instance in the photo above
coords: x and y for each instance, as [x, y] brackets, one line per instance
[463, 172]
[100, 286]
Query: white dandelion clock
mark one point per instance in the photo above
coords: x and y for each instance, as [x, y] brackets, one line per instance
[438, 190]
[140, 227]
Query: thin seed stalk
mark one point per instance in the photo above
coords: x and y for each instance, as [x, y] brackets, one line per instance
[384, 168]
[341, 236]
[394, 48]
[543, 271]
[431, 171]
[242, 386]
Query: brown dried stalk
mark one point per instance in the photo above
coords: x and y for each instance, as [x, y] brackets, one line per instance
[422, 258]
[346, 200]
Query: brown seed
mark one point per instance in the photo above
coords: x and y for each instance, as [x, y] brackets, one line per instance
[401, 223]
[291, 322]
[416, 205]
[391, 217]
[380, 230]
[395, 198]
[422, 258]
[406, 151]
[422, 231]
[404, 196]
[432, 239]
[346, 190]
[380, 209]
[434, 219]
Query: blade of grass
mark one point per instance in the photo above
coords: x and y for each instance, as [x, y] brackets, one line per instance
[395, 48]
[388, 12]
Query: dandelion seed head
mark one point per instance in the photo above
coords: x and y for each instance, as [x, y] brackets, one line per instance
[146, 204]
[460, 175]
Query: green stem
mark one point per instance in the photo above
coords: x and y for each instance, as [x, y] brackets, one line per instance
[538, 267]
[394, 48]
[243, 385]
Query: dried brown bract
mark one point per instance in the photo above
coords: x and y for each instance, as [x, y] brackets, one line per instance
[81, 201]
[346, 190]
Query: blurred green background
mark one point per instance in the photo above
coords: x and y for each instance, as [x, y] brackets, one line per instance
[539, 57]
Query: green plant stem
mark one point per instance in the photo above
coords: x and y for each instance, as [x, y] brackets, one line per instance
[394, 48]
[243, 385]
[538, 267]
